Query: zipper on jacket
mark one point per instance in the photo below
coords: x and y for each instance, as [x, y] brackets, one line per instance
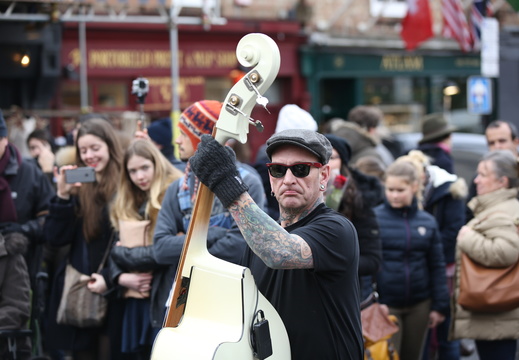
[406, 257]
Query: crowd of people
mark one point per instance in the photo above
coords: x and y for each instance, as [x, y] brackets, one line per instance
[400, 227]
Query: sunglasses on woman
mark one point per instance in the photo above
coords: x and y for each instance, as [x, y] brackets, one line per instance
[300, 170]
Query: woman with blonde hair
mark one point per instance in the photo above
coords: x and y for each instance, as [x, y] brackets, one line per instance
[412, 279]
[134, 191]
[491, 239]
[443, 196]
[142, 185]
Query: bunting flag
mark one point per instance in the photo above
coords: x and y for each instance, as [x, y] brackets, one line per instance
[479, 10]
[455, 24]
[417, 24]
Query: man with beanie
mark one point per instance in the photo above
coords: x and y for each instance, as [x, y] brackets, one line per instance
[306, 264]
[436, 141]
[25, 193]
[224, 239]
[161, 133]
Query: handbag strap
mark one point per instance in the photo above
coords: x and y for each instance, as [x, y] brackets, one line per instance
[107, 252]
[372, 297]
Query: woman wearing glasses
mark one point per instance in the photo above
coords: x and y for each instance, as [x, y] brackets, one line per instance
[306, 265]
[412, 280]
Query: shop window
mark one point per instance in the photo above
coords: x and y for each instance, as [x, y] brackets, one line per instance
[396, 90]
[388, 8]
[402, 99]
[112, 95]
[71, 95]
[455, 105]
[216, 88]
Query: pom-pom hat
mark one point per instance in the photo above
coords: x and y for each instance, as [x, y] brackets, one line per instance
[199, 119]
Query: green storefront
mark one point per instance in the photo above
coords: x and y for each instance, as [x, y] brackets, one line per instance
[404, 85]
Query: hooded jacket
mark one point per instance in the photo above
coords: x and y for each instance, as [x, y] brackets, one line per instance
[445, 199]
[361, 142]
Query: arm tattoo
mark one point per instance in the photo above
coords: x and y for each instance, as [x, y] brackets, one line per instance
[274, 245]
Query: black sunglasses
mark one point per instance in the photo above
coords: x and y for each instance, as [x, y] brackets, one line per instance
[300, 170]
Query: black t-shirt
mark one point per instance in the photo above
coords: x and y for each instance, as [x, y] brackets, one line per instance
[320, 306]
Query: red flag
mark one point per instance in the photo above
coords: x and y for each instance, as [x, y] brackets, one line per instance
[417, 24]
[455, 24]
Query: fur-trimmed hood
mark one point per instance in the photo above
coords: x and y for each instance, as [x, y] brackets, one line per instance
[439, 178]
[12, 244]
[459, 189]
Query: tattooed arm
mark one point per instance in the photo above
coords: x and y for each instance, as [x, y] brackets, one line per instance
[270, 242]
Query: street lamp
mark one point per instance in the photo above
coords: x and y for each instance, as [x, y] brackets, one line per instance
[26, 60]
[450, 88]
[23, 58]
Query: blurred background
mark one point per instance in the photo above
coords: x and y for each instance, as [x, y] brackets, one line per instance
[61, 59]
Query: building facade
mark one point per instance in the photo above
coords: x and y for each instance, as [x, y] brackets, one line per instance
[335, 54]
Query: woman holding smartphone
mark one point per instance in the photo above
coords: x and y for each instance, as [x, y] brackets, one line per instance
[78, 217]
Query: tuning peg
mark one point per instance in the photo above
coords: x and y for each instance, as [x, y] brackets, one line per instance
[234, 110]
[259, 126]
[255, 78]
[263, 101]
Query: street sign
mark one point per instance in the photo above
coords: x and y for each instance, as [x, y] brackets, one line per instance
[479, 95]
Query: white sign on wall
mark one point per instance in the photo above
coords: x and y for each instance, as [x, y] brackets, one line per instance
[490, 47]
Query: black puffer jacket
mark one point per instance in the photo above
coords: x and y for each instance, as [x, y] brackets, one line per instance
[366, 223]
[413, 267]
[444, 199]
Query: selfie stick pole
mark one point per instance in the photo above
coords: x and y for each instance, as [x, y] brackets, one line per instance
[140, 87]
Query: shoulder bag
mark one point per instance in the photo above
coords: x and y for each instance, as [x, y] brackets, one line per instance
[79, 306]
[484, 289]
[377, 330]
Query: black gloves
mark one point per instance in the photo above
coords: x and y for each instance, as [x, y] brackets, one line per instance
[215, 166]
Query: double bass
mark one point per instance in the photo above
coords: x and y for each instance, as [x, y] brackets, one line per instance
[215, 308]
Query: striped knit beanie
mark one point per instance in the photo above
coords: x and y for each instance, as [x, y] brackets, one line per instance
[199, 119]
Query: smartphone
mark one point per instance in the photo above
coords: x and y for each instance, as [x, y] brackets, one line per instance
[84, 174]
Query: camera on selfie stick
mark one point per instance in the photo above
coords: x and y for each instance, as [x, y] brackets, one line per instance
[141, 87]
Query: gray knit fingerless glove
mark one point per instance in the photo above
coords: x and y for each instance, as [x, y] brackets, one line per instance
[215, 166]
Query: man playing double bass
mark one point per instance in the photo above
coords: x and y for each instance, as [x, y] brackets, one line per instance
[305, 264]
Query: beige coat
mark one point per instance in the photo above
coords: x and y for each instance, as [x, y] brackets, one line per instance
[492, 241]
